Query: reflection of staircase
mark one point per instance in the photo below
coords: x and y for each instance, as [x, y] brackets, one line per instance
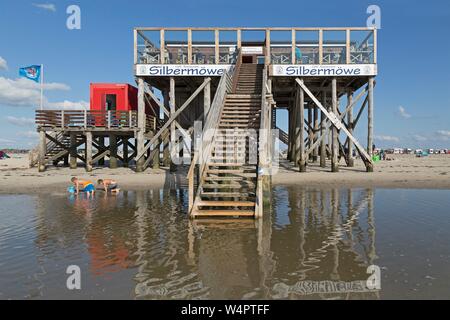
[228, 187]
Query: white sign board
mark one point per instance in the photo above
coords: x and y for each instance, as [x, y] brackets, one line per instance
[252, 50]
[181, 70]
[335, 70]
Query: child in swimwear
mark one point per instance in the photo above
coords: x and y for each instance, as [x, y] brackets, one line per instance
[109, 185]
[83, 185]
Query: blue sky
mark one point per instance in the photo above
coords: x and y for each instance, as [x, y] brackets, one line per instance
[413, 87]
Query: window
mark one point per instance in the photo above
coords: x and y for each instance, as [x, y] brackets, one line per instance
[111, 102]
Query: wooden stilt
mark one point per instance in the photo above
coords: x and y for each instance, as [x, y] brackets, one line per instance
[73, 150]
[310, 131]
[112, 151]
[155, 160]
[166, 142]
[140, 142]
[101, 142]
[42, 151]
[172, 103]
[335, 134]
[125, 152]
[350, 159]
[370, 122]
[88, 151]
[301, 137]
[316, 131]
[323, 149]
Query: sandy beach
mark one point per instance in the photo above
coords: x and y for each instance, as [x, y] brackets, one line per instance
[405, 171]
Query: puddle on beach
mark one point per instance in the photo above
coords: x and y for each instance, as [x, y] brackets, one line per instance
[313, 244]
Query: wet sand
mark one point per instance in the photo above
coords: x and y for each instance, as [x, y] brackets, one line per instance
[405, 171]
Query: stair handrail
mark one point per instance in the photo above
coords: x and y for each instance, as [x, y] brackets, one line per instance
[236, 71]
[202, 155]
[264, 148]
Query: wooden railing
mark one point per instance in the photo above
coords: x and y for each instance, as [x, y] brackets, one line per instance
[203, 153]
[158, 46]
[265, 145]
[66, 119]
[236, 72]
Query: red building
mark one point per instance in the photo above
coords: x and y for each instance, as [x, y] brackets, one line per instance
[117, 97]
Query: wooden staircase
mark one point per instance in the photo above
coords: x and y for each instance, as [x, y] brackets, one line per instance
[228, 186]
[56, 152]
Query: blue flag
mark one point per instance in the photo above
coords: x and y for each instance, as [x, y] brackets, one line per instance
[31, 72]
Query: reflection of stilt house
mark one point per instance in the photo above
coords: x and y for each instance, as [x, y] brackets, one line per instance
[233, 80]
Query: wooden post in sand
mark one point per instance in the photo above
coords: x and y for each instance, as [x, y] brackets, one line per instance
[301, 138]
[315, 132]
[370, 122]
[88, 151]
[140, 141]
[112, 151]
[73, 150]
[42, 151]
[125, 152]
[335, 133]
[350, 159]
[101, 143]
[323, 146]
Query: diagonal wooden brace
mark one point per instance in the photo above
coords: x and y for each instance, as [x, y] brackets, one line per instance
[337, 123]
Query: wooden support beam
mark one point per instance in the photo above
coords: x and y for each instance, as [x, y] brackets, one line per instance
[310, 129]
[335, 133]
[166, 140]
[42, 151]
[370, 122]
[323, 150]
[301, 139]
[336, 121]
[316, 132]
[101, 142]
[267, 59]
[125, 152]
[189, 32]
[155, 156]
[216, 46]
[73, 150]
[88, 151]
[162, 46]
[350, 159]
[172, 104]
[113, 151]
[174, 116]
[140, 141]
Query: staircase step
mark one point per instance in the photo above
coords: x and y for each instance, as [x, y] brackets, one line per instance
[223, 213]
[204, 203]
[227, 194]
[228, 186]
[230, 179]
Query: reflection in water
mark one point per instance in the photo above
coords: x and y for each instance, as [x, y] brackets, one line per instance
[312, 243]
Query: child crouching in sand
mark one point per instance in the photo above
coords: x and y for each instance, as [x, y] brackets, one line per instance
[109, 185]
[83, 185]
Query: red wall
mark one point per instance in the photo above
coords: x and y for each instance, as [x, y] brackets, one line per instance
[126, 97]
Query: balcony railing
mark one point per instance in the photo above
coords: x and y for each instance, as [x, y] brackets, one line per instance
[201, 46]
[91, 119]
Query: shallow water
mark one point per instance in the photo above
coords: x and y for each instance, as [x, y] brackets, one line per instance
[313, 244]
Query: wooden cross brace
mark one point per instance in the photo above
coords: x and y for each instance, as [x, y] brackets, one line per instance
[336, 121]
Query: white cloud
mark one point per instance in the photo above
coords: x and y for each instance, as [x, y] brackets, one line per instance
[45, 6]
[22, 121]
[24, 92]
[402, 112]
[3, 64]
[68, 105]
[387, 138]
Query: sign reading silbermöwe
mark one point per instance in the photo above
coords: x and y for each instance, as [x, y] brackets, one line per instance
[337, 70]
[181, 70]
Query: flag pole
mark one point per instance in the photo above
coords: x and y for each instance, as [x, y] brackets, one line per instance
[42, 85]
